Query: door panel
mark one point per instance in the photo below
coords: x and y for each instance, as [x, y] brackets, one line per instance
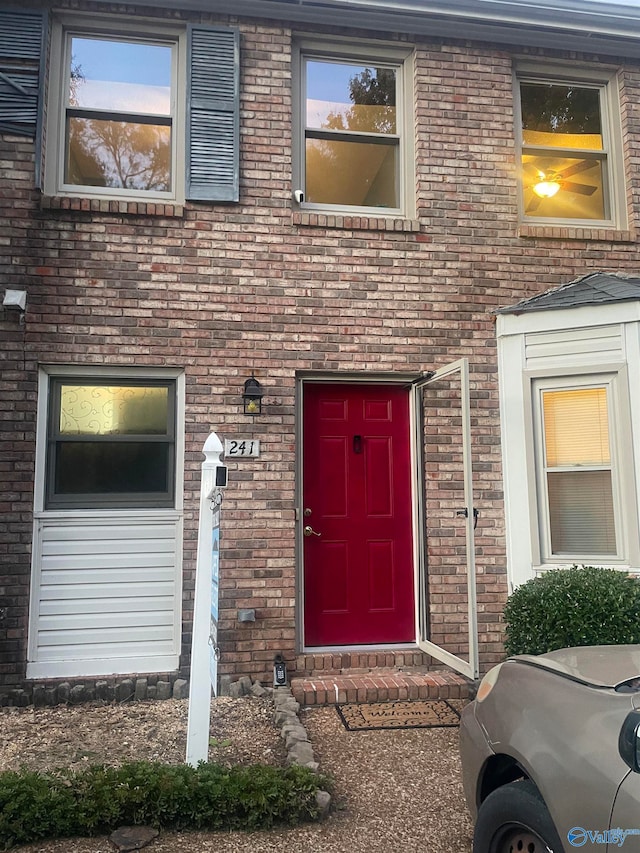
[447, 590]
[358, 573]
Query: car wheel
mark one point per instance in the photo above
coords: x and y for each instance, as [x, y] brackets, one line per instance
[515, 819]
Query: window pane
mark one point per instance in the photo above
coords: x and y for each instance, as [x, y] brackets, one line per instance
[352, 173]
[576, 427]
[105, 468]
[563, 116]
[577, 185]
[120, 76]
[581, 512]
[118, 154]
[350, 97]
[113, 410]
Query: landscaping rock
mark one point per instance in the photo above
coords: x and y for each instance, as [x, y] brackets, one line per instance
[323, 799]
[39, 696]
[235, 690]
[77, 694]
[127, 838]
[125, 690]
[245, 684]
[163, 690]
[181, 689]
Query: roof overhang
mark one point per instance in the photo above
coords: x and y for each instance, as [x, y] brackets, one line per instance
[584, 25]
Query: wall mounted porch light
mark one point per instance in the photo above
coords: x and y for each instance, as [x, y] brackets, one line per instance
[252, 396]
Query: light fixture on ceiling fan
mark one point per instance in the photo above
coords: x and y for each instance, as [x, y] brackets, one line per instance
[547, 184]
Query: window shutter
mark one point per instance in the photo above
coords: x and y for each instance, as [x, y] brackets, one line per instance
[213, 131]
[21, 51]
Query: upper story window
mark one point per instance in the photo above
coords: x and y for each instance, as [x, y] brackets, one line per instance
[353, 151]
[570, 153]
[143, 112]
[119, 97]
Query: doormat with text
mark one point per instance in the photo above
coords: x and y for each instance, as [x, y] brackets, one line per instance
[422, 714]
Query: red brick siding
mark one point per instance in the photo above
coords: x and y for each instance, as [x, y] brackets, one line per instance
[223, 290]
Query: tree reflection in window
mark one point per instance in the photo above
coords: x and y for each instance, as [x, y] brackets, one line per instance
[118, 115]
[352, 141]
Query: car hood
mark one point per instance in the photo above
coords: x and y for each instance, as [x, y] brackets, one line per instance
[598, 666]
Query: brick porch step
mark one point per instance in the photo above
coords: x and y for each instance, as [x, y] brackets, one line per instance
[378, 686]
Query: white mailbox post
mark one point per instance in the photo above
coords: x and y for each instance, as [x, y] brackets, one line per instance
[204, 649]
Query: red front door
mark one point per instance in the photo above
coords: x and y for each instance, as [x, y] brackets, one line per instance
[358, 572]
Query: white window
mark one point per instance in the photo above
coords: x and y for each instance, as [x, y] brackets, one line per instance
[353, 150]
[110, 443]
[107, 535]
[117, 111]
[570, 158]
[578, 481]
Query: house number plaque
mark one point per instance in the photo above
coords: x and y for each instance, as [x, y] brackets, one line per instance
[235, 447]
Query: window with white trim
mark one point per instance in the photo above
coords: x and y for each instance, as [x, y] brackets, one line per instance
[119, 100]
[578, 482]
[110, 443]
[353, 130]
[143, 112]
[570, 152]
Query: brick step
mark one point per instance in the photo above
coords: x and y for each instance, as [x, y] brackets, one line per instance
[378, 686]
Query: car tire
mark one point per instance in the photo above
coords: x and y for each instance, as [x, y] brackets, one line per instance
[515, 818]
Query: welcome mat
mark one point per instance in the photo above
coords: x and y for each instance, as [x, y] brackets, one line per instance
[423, 714]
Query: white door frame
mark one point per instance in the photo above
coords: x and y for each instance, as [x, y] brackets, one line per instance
[469, 668]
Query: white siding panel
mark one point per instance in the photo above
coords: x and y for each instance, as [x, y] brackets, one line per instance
[105, 623]
[86, 654]
[126, 545]
[135, 592]
[574, 347]
[107, 605]
[107, 597]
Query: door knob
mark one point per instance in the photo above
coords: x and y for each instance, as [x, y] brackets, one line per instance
[309, 531]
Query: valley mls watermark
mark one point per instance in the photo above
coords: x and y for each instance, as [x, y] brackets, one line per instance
[578, 836]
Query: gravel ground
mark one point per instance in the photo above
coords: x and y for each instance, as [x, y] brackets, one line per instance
[393, 789]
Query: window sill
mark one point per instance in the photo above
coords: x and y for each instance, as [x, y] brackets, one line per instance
[355, 223]
[572, 232]
[587, 561]
[123, 208]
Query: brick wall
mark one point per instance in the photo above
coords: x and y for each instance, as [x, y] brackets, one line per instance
[224, 290]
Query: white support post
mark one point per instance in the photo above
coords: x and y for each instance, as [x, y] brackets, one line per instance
[200, 683]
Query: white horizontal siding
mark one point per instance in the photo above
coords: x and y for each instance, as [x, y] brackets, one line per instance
[574, 347]
[106, 594]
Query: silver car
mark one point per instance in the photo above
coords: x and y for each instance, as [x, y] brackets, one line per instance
[550, 753]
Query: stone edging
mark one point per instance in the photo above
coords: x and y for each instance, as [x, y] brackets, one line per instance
[79, 691]
[294, 734]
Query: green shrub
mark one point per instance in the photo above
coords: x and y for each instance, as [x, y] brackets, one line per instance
[65, 804]
[584, 606]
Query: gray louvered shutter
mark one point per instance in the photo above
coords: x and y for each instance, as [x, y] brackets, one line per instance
[213, 131]
[21, 51]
